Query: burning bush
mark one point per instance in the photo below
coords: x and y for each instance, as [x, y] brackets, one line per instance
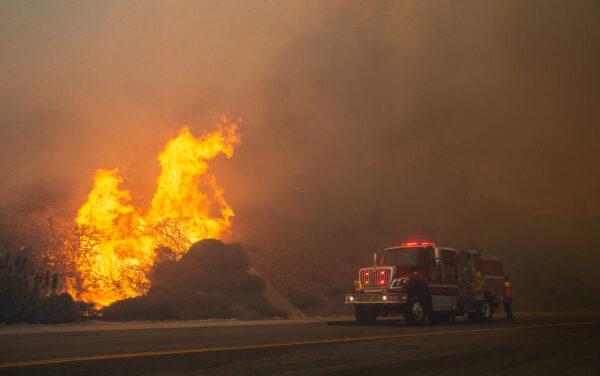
[117, 240]
[210, 281]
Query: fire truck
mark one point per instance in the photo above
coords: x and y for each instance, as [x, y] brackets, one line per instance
[425, 282]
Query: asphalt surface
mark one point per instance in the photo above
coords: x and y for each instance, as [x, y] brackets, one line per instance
[534, 344]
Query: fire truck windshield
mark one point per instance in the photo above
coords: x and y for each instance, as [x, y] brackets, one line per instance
[403, 256]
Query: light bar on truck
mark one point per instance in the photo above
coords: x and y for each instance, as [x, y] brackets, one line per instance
[417, 244]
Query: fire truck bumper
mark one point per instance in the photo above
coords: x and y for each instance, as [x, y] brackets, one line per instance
[376, 298]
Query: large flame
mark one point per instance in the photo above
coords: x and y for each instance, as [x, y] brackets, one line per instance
[118, 243]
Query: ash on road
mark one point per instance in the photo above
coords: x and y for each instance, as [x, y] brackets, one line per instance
[536, 344]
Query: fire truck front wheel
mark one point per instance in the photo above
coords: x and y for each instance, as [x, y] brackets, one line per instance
[415, 313]
[365, 314]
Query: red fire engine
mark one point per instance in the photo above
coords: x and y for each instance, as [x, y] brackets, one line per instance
[422, 281]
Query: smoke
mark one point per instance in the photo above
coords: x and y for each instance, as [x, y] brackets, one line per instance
[466, 121]
[385, 100]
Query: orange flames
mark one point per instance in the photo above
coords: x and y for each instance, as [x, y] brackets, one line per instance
[118, 242]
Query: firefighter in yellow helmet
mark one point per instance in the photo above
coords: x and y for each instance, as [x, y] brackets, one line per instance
[508, 298]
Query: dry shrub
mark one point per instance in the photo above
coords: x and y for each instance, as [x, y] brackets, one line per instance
[210, 281]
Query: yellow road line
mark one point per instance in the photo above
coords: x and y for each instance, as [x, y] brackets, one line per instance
[280, 344]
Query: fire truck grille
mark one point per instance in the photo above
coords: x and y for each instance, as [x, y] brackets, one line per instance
[370, 298]
[375, 277]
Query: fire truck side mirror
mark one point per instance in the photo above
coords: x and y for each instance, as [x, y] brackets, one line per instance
[374, 258]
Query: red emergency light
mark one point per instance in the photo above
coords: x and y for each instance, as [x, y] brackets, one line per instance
[417, 244]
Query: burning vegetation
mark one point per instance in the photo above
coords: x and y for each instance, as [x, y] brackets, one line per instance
[211, 280]
[117, 241]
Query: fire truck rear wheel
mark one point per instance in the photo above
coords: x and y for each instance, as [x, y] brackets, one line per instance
[415, 313]
[484, 312]
[365, 314]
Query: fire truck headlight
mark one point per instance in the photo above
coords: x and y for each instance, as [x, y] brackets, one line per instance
[351, 298]
[384, 298]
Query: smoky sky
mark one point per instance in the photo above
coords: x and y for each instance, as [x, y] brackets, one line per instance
[346, 104]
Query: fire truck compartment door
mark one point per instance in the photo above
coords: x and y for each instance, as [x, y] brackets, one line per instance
[443, 303]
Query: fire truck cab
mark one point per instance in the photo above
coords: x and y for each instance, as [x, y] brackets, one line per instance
[423, 281]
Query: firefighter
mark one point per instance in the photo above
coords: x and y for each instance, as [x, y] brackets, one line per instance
[508, 298]
[478, 287]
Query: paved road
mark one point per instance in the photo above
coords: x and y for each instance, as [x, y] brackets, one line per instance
[535, 344]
